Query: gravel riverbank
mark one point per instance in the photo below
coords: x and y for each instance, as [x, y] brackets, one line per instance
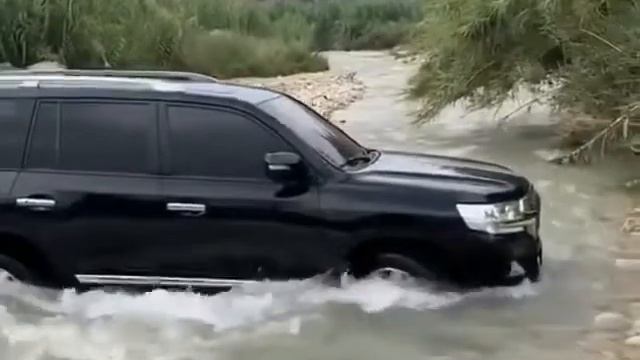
[326, 92]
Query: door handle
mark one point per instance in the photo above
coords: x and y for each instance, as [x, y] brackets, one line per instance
[36, 204]
[187, 208]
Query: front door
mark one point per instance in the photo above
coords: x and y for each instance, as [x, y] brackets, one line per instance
[225, 219]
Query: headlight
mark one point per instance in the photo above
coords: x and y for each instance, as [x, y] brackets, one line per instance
[501, 218]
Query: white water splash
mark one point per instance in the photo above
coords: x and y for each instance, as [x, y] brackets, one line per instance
[101, 325]
[247, 305]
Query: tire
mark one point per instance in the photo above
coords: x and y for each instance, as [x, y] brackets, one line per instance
[531, 267]
[15, 270]
[371, 267]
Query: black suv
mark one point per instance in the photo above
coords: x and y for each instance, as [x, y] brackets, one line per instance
[161, 179]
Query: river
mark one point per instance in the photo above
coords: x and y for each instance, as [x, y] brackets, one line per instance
[373, 319]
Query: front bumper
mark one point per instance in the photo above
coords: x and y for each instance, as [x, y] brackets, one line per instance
[498, 260]
[504, 258]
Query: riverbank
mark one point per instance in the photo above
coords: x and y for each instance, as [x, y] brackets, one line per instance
[326, 92]
[615, 333]
[626, 278]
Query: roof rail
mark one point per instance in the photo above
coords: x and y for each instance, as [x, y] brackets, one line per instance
[147, 74]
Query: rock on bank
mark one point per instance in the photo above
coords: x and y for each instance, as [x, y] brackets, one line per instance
[325, 92]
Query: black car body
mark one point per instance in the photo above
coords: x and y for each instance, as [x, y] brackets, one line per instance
[126, 178]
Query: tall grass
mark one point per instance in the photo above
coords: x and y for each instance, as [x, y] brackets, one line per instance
[224, 38]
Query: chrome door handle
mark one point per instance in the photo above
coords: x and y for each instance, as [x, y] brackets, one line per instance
[188, 208]
[36, 204]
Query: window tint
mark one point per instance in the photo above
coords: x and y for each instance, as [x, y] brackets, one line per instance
[105, 137]
[209, 142]
[14, 125]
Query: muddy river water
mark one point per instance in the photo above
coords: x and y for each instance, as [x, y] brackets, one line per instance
[373, 319]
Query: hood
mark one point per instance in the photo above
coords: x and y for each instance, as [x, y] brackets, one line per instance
[472, 181]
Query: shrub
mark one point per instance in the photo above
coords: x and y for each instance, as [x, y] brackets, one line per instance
[482, 51]
[383, 36]
[227, 54]
[364, 24]
[237, 37]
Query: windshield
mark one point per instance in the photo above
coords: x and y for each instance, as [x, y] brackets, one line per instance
[331, 142]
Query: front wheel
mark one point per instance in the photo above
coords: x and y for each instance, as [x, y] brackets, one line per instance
[393, 267]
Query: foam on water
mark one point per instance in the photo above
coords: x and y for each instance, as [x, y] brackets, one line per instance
[73, 325]
[251, 303]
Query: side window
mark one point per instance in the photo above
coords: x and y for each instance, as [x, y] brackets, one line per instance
[94, 136]
[15, 116]
[218, 143]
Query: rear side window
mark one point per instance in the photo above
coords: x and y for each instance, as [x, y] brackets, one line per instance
[218, 143]
[15, 117]
[94, 136]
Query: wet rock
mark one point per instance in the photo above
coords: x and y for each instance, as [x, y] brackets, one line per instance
[634, 310]
[610, 321]
[609, 355]
[635, 329]
[601, 342]
[630, 353]
[628, 264]
[632, 223]
[633, 341]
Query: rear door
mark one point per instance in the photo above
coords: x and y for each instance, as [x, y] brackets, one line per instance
[89, 191]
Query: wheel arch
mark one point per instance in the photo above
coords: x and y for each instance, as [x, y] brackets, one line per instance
[427, 252]
[23, 250]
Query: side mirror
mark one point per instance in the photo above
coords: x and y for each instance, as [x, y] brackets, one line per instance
[284, 167]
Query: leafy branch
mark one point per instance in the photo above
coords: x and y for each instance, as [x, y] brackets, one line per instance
[484, 51]
[618, 129]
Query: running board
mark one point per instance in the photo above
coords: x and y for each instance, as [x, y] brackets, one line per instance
[159, 281]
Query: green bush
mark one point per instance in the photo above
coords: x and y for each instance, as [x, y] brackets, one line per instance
[383, 36]
[362, 24]
[484, 50]
[224, 38]
[228, 54]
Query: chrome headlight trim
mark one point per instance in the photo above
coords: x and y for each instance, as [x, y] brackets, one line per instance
[501, 218]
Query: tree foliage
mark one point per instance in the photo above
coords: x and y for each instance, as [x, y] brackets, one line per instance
[587, 51]
[224, 38]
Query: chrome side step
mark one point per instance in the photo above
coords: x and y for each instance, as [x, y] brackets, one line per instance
[159, 281]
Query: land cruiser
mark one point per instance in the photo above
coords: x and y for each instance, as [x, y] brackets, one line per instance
[125, 178]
